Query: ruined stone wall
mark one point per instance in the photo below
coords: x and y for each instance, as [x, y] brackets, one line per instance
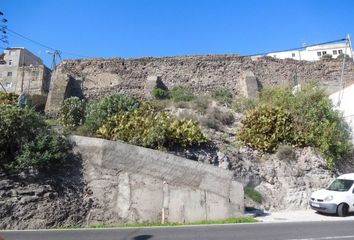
[97, 77]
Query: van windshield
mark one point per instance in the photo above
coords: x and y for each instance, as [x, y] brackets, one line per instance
[340, 185]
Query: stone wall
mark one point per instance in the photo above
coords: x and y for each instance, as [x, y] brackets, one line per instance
[135, 184]
[97, 77]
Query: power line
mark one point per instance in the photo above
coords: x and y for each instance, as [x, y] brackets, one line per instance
[45, 46]
[298, 48]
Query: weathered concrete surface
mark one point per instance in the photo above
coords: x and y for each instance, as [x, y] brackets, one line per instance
[135, 184]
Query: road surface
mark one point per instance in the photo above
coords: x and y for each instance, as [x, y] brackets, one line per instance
[335, 230]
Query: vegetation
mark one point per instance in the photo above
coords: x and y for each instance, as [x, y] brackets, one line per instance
[146, 127]
[326, 57]
[8, 98]
[242, 104]
[285, 152]
[26, 142]
[253, 194]
[303, 119]
[47, 151]
[159, 93]
[180, 94]
[264, 127]
[72, 113]
[342, 56]
[99, 111]
[222, 95]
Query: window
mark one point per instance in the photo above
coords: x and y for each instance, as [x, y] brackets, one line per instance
[319, 54]
[10, 62]
[324, 52]
[12, 53]
[340, 51]
[9, 74]
[293, 54]
[334, 52]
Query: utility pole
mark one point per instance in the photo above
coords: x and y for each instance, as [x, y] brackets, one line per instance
[56, 56]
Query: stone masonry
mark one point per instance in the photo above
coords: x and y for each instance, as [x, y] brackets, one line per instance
[90, 78]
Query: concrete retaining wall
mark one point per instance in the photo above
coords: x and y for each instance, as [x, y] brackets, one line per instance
[135, 184]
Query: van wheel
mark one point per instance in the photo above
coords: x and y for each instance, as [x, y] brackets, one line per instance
[342, 210]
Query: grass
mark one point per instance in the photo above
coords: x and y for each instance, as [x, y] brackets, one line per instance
[253, 194]
[203, 222]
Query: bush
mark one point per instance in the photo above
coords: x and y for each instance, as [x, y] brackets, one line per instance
[18, 127]
[179, 94]
[265, 127]
[48, 151]
[148, 128]
[8, 98]
[201, 104]
[225, 117]
[242, 104]
[303, 119]
[159, 93]
[23, 131]
[326, 57]
[99, 111]
[222, 95]
[285, 152]
[72, 113]
[253, 194]
[343, 55]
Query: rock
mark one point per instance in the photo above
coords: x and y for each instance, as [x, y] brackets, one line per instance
[28, 199]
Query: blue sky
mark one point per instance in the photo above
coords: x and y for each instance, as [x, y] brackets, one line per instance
[140, 28]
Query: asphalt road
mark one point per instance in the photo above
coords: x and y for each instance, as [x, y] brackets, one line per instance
[337, 230]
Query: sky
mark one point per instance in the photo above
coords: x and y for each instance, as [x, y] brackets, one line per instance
[143, 28]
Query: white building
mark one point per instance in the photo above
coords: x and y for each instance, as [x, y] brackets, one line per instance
[343, 100]
[315, 52]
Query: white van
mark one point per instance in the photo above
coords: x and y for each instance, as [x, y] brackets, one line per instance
[337, 198]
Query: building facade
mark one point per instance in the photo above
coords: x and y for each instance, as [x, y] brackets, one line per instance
[343, 101]
[315, 52]
[23, 72]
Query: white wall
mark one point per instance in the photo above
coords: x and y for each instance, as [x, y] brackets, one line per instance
[346, 99]
[311, 53]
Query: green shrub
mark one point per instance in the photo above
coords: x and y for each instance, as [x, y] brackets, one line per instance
[179, 94]
[23, 131]
[253, 194]
[18, 126]
[8, 98]
[159, 93]
[72, 112]
[342, 56]
[265, 127]
[99, 111]
[326, 57]
[308, 119]
[48, 151]
[148, 128]
[285, 152]
[222, 95]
